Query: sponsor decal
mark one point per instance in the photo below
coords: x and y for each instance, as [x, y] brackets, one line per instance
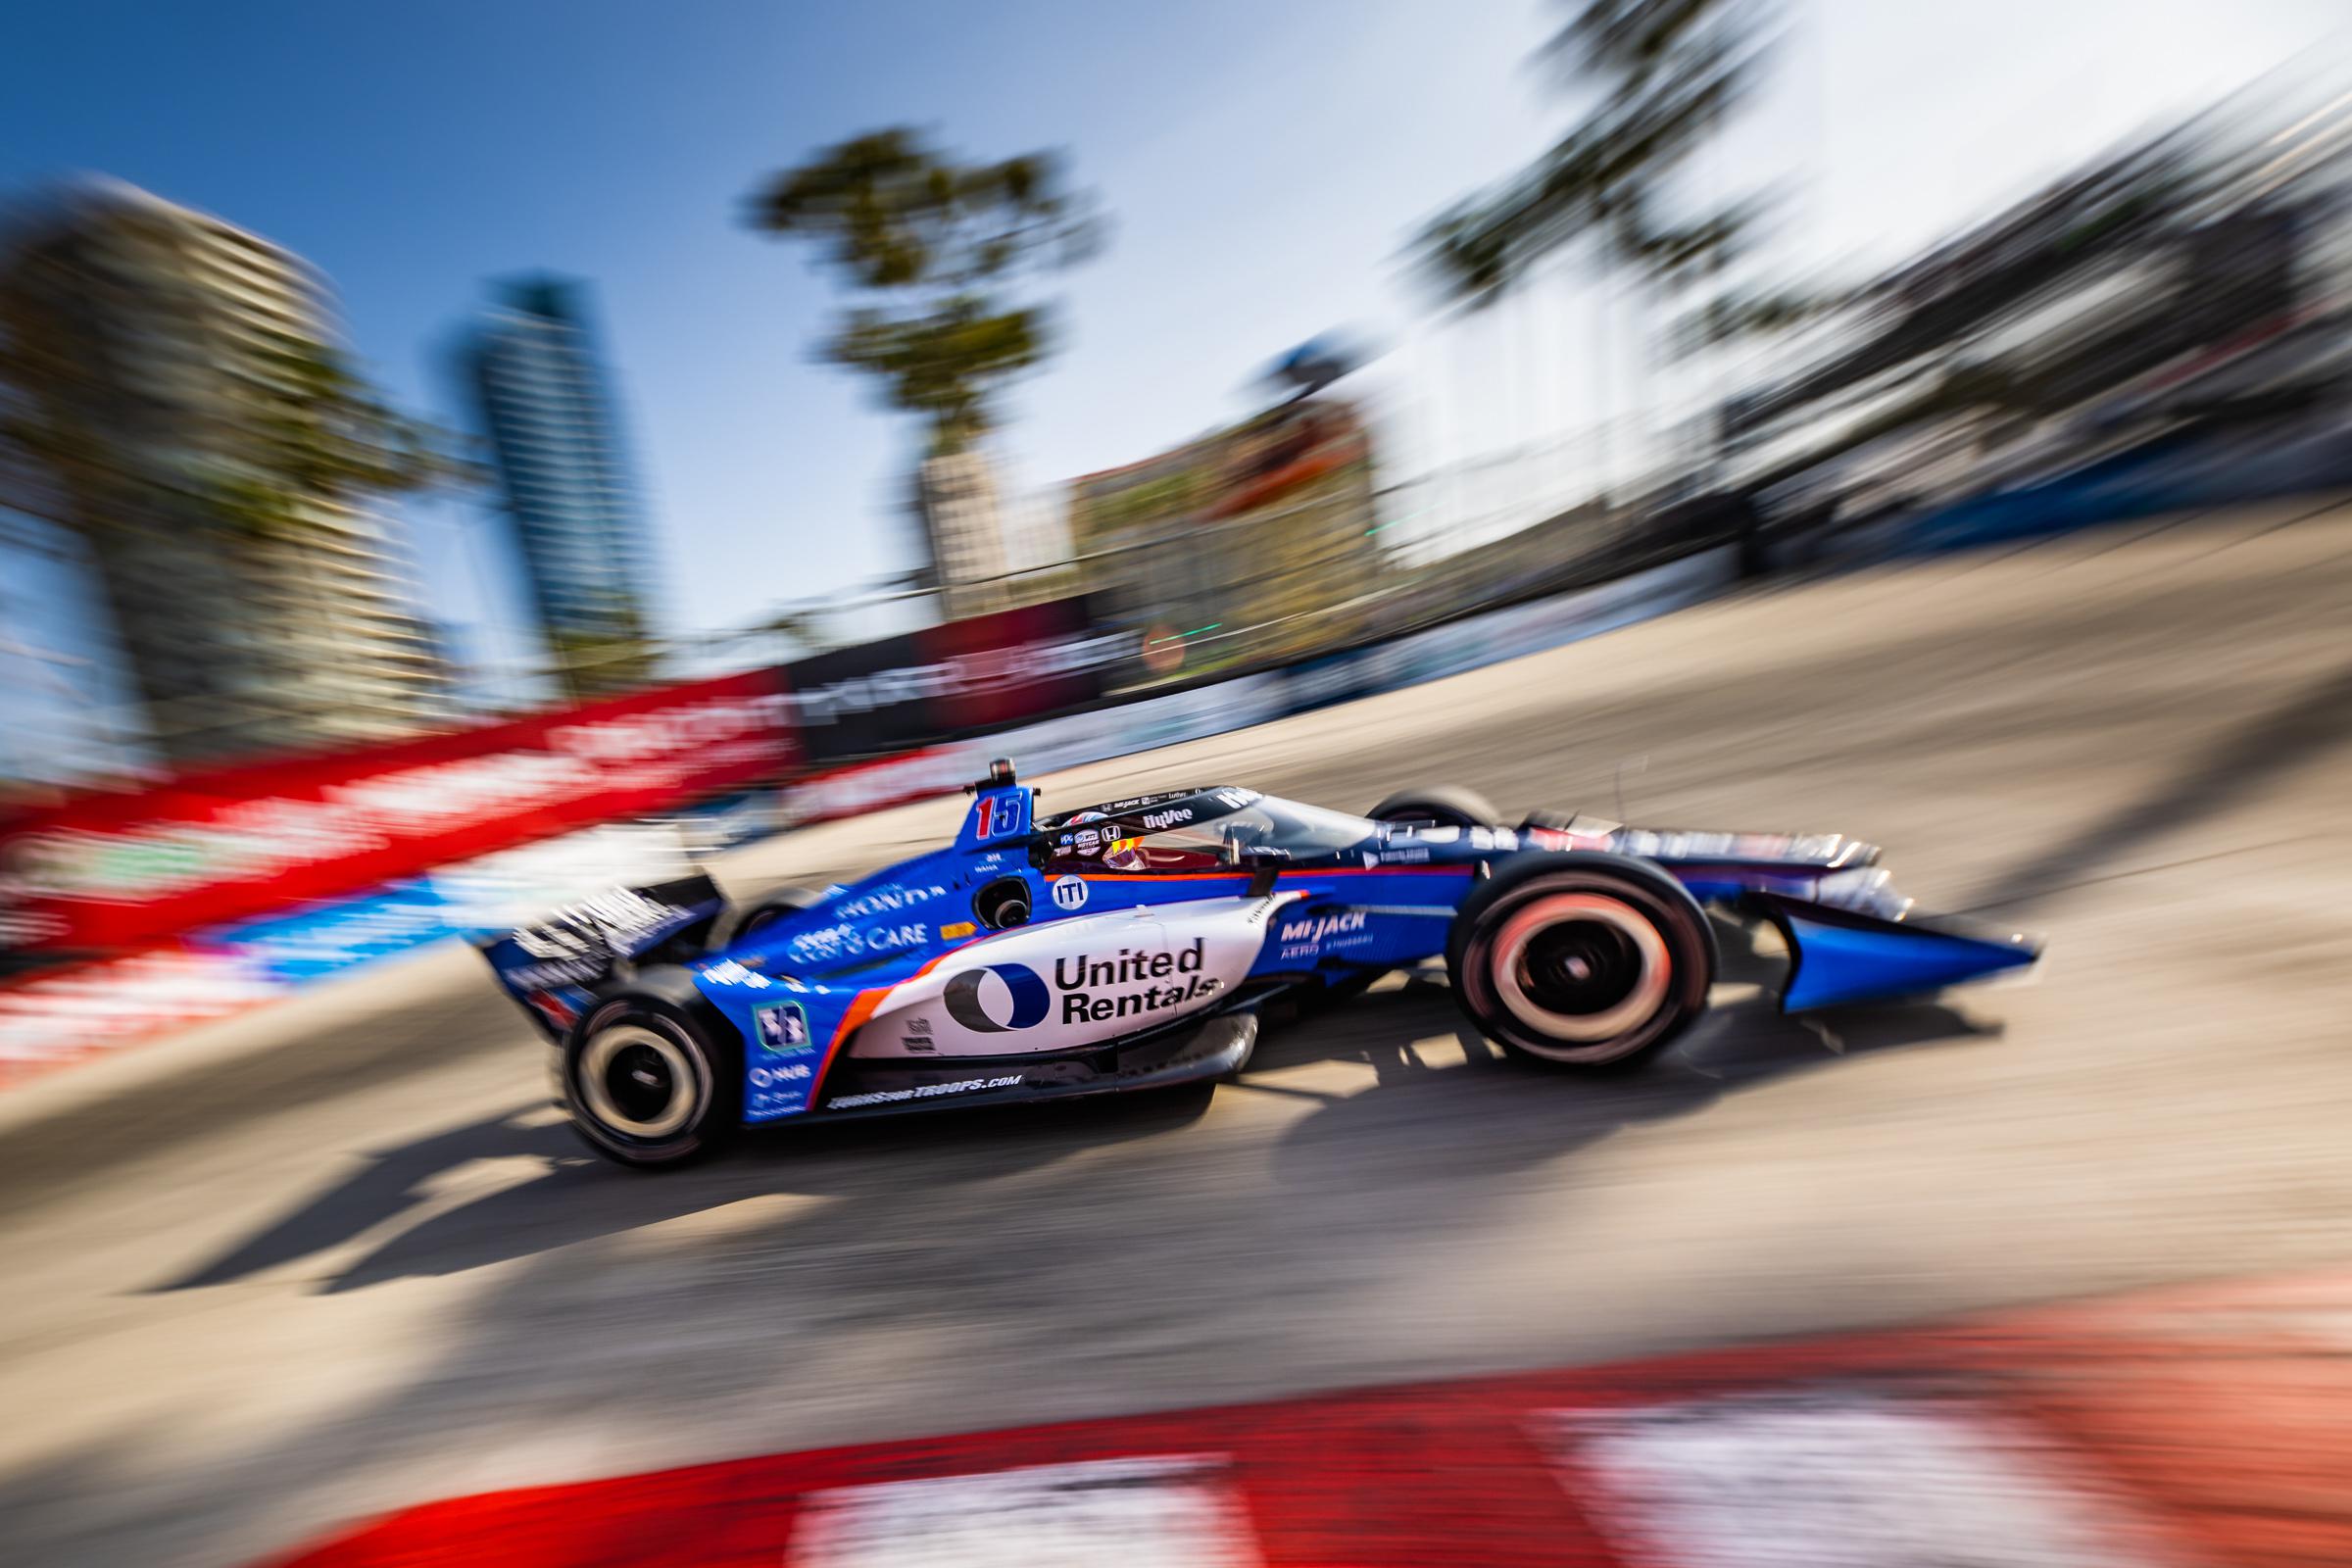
[1087, 838]
[1482, 838]
[1156, 820]
[727, 972]
[1018, 999]
[1082, 983]
[1327, 932]
[782, 1028]
[1815, 849]
[829, 944]
[560, 972]
[607, 922]
[1133, 803]
[1085, 988]
[1412, 856]
[771, 1077]
[1235, 800]
[1069, 893]
[958, 931]
[893, 1097]
[887, 898]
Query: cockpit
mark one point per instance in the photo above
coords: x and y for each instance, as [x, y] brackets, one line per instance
[1205, 830]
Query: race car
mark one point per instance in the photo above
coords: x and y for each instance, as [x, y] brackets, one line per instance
[1138, 943]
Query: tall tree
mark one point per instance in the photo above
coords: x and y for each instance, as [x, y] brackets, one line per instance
[1654, 78]
[943, 258]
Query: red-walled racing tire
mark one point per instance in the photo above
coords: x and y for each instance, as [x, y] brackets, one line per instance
[1585, 960]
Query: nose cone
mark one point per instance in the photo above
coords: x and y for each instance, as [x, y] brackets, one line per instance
[1843, 957]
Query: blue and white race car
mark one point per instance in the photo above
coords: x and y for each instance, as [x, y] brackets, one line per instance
[1136, 944]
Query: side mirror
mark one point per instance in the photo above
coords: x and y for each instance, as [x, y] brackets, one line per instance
[1265, 863]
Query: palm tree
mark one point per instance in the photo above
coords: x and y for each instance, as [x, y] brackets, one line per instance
[941, 258]
[935, 251]
[1660, 76]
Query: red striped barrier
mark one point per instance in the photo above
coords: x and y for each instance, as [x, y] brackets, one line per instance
[2208, 1427]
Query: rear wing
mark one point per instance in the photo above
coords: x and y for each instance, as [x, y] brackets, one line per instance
[553, 966]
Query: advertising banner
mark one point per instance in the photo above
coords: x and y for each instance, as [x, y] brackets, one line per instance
[986, 671]
[862, 701]
[1018, 664]
[107, 872]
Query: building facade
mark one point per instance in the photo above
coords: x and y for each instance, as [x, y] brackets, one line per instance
[547, 408]
[1254, 543]
[154, 351]
[963, 529]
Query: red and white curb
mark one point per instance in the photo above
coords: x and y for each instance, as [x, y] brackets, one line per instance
[2201, 1429]
[1172, 1511]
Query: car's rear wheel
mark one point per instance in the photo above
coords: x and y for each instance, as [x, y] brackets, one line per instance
[649, 1081]
[1445, 804]
[1588, 961]
[763, 910]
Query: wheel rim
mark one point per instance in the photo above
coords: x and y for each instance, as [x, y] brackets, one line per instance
[1581, 972]
[639, 1082]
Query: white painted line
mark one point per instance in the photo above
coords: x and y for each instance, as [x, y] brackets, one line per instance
[1174, 1511]
[1837, 1478]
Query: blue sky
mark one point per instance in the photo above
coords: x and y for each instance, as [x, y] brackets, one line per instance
[1263, 159]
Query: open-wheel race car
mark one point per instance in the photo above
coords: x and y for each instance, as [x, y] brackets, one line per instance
[1136, 944]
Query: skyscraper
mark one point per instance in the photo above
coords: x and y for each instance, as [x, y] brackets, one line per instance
[549, 414]
[163, 364]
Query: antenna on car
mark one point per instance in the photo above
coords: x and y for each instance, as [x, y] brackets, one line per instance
[1640, 765]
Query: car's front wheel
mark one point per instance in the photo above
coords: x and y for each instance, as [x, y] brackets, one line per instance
[1443, 804]
[1590, 961]
[648, 1083]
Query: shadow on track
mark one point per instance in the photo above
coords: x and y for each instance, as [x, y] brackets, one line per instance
[575, 1195]
[1497, 1115]
[1513, 1115]
[2309, 725]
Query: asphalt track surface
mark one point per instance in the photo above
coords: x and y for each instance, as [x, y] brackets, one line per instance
[336, 1257]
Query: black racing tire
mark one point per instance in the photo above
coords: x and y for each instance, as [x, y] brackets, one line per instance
[1445, 805]
[652, 1076]
[744, 919]
[1589, 960]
